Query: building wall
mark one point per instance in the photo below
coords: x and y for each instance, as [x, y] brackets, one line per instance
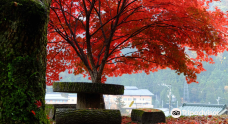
[56, 101]
[72, 100]
[110, 101]
[143, 100]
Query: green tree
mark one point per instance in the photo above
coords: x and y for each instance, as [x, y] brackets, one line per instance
[120, 104]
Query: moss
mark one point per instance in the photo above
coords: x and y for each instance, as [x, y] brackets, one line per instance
[49, 108]
[23, 40]
[149, 110]
[138, 112]
[82, 87]
[147, 115]
[91, 115]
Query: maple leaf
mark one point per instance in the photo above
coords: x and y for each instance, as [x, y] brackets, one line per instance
[33, 112]
[38, 103]
[94, 35]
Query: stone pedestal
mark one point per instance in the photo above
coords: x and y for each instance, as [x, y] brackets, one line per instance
[88, 96]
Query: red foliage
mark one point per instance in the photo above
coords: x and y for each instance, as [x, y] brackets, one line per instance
[187, 120]
[33, 112]
[48, 117]
[159, 30]
[38, 103]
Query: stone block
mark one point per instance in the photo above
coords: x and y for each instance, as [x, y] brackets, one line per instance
[148, 116]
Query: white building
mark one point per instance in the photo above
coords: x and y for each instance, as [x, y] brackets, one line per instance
[55, 98]
[142, 98]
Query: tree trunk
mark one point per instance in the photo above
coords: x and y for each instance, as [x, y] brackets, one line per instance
[96, 78]
[23, 41]
[88, 100]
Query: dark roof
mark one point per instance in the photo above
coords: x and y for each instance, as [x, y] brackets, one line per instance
[134, 91]
[202, 109]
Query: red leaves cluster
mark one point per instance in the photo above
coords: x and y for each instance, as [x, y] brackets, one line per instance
[39, 104]
[187, 120]
[159, 30]
[33, 112]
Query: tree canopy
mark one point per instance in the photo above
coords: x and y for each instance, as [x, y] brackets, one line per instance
[95, 32]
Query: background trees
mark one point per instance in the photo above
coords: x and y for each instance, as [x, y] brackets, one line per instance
[120, 104]
[216, 76]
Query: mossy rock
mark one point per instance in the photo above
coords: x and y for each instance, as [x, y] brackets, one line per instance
[148, 116]
[55, 106]
[85, 87]
[87, 116]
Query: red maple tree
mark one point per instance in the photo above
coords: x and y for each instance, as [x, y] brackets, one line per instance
[93, 33]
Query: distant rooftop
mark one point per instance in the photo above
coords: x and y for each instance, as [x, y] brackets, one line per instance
[206, 108]
[130, 88]
[54, 96]
[134, 91]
